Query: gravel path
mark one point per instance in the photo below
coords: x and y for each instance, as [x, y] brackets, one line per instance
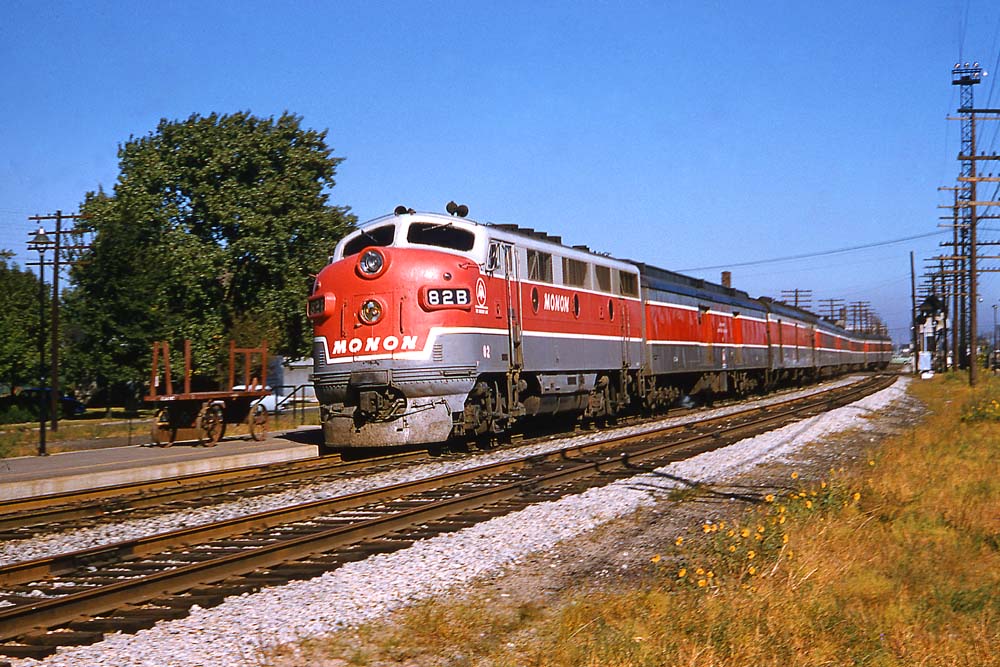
[232, 633]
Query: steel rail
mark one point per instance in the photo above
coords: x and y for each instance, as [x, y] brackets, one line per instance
[26, 571]
[102, 599]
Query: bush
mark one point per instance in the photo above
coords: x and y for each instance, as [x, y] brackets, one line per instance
[12, 413]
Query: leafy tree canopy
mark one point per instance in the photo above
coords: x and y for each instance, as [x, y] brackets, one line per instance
[18, 325]
[214, 231]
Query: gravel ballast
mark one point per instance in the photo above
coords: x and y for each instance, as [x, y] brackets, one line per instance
[234, 632]
[45, 545]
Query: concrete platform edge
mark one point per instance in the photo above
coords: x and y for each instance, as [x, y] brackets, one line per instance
[41, 487]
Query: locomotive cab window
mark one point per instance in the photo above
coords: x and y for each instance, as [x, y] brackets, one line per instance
[629, 285]
[539, 266]
[603, 275]
[574, 272]
[380, 236]
[441, 235]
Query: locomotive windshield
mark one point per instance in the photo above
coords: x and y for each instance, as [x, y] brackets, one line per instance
[441, 235]
[382, 236]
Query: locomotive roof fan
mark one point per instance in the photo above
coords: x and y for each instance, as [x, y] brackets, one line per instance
[461, 210]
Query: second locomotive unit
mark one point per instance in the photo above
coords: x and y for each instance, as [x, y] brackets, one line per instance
[432, 326]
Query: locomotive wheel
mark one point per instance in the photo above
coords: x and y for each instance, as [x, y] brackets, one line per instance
[212, 424]
[162, 419]
[257, 422]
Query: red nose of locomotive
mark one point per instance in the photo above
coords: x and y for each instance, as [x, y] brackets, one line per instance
[352, 305]
[384, 321]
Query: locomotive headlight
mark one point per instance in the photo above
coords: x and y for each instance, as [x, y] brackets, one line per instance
[371, 262]
[371, 311]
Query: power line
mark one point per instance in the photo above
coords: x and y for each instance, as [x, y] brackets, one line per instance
[824, 253]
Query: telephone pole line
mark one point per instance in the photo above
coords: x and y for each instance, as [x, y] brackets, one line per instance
[800, 298]
[58, 246]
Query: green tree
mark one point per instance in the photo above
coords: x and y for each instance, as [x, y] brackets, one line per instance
[214, 230]
[18, 325]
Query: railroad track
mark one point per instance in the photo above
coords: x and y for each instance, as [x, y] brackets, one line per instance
[24, 518]
[75, 598]
[28, 517]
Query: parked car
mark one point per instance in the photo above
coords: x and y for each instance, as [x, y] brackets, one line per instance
[29, 398]
[270, 402]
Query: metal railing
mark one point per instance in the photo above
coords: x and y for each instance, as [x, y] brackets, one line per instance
[296, 400]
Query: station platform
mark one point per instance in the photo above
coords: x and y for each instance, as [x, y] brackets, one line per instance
[30, 476]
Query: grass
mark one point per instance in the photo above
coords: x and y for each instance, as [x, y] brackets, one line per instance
[893, 562]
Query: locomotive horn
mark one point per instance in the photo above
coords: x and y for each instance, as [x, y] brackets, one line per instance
[463, 210]
[400, 210]
[451, 207]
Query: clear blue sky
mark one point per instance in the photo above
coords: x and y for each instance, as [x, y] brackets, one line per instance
[684, 135]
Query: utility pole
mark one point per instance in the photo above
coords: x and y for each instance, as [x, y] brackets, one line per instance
[800, 298]
[966, 76]
[831, 307]
[58, 246]
[913, 313]
[957, 274]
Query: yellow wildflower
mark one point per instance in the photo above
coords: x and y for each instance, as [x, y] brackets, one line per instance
[758, 536]
[706, 528]
[752, 570]
[699, 571]
[702, 583]
[709, 574]
[781, 519]
[781, 509]
[760, 528]
[732, 548]
[822, 485]
[856, 496]
[656, 558]
[809, 504]
[745, 532]
[784, 539]
[751, 554]
[795, 475]
[871, 463]
[681, 573]
[730, 532]
[679, 541]
[769, 498]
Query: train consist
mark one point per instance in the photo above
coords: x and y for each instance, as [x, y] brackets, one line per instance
[431, 326]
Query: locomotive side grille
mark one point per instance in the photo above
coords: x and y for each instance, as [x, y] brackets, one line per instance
[437, 353]
[405, 375]
[400, 375]
[335, 379]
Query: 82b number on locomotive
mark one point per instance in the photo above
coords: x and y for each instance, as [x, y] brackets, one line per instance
[446, 297]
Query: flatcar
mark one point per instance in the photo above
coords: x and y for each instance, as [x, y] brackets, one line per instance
[429, 327]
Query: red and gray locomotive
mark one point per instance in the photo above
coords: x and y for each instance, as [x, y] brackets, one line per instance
[431, 326]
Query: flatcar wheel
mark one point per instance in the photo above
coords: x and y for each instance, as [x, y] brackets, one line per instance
[257, 422]
[212, 424]
[161, 426]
